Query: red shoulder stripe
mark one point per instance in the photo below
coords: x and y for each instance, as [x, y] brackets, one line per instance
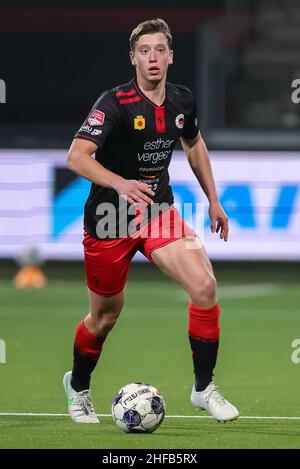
[130, 100]
[125, 93]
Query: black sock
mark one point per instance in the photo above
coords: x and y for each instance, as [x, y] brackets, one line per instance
[82, 369]
[204, 358]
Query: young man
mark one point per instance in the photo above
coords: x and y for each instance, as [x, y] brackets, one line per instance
[132, 129]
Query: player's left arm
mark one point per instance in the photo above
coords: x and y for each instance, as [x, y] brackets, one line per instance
[198, 159]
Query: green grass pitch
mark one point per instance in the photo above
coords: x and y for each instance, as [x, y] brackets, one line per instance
[259, 321]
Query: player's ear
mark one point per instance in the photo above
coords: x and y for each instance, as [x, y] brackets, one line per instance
[171, 57]
[132, 58]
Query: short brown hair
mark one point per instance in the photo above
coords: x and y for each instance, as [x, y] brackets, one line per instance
[156, 25]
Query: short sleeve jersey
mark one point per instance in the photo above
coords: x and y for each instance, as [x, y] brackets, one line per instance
[135, 140]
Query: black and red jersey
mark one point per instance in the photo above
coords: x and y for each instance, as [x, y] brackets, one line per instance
[135, 139]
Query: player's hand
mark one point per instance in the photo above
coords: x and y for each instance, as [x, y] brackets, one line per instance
[135, 191]
[219, 220]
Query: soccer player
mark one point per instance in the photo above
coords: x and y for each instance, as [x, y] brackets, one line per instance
[132, 129]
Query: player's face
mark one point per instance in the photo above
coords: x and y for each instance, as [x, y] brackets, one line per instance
[152, 57]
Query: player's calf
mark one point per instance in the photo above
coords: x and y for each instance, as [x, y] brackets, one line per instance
[86, 353]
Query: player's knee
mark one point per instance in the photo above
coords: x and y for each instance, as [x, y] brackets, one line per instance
[106, 324]
[109, 308]
[105, 319]
[204, 294]
[103, 324]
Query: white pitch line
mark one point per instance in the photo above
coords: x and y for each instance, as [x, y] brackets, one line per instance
[256, 417]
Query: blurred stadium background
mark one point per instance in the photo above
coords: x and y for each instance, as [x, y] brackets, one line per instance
[240, 59]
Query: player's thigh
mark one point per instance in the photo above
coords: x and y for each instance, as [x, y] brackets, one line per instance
[186, 261]
[107, 265]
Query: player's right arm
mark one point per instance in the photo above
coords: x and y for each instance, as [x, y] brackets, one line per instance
[80, 161]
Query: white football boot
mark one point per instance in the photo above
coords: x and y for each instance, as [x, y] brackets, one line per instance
[80, 404]
[212, 400]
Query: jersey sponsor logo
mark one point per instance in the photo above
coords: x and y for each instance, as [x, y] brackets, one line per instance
[179, 121]
[153, 180]
[158, 144]
[90, 130]
[164, 147]
[139, 123]
[86, 128]
[154, 157]
[97, 132]
[96, 118]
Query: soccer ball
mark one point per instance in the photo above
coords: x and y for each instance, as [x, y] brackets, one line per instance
[138, 408]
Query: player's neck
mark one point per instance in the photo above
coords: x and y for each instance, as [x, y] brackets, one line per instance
[156, 92]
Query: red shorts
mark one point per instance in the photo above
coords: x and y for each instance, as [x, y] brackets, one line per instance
[107, 261]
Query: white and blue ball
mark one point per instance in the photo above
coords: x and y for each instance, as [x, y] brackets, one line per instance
[138, 408]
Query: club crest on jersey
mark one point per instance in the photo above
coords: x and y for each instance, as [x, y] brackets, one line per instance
[179, 121]
[139, 123]
[96, 118]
